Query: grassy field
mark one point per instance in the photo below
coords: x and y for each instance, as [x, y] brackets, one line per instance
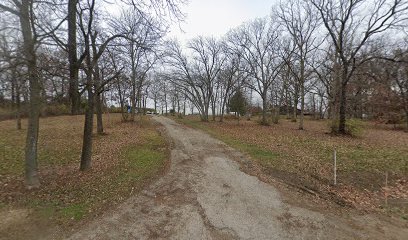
[125, 159]
[305, 159]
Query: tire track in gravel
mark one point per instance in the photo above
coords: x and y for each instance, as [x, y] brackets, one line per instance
[204, 195]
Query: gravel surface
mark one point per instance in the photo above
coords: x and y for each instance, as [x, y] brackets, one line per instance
[204, 195]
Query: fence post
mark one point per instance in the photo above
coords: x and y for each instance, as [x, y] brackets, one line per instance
[386, 189]
[335, 166]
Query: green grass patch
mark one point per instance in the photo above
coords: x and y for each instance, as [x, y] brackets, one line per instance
[253, 150]
[127, 158]
[256, 152]
[74, 211]
[145, 160]
[381, 159]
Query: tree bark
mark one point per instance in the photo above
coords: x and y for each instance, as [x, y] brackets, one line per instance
[302, 93]
[86, 155]
[295, 103]
[31, 166]
[74, 95]
[342, 109]
[264, 109]
[18, 108]
[99, 116]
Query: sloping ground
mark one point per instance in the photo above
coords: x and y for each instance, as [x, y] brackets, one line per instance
[124, 160]
[204, 195]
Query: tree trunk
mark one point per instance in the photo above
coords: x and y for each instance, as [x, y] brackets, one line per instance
[31, 171]
[18, 109]
[342, 110]
[88, 129]
[295, 103]
[302, 91]
[213, 111]
[86, 155]
[99, 113]
[302, 106]
[264, 109]
[133, 93]
[74, 95]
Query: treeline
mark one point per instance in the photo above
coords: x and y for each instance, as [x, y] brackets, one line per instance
[75, 53]
[335, 58]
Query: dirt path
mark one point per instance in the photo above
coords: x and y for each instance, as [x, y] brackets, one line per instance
[204, 195]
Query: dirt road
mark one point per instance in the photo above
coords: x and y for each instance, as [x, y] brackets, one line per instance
[204, 195]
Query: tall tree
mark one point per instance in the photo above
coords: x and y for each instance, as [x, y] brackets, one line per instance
[196, 76]
[350, 24]
[74, 62]
[301, 22]
[258, 44]
[24, 10]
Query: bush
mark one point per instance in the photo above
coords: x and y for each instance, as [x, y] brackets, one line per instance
[354, 127]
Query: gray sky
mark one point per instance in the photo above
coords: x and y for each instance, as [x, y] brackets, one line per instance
[216, 17]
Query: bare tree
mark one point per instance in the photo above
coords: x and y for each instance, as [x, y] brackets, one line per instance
[257, 42]
[301, 22]
[24, 11]
[143, 36]
[89, 33]
[30, 19]
[350, 24]
[196, 76]
[74, 62]
[231, 76]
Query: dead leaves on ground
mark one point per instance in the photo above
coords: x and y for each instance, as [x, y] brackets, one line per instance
[307, 157]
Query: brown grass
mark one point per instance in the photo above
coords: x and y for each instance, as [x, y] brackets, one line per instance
[125, 159]
[305, 158]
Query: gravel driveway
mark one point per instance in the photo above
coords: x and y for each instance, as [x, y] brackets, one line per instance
[204, 195]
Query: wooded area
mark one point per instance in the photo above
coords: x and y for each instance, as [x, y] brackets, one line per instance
[335, 59]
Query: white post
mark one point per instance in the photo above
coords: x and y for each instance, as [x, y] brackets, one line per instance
[386, 188]
[335, 167]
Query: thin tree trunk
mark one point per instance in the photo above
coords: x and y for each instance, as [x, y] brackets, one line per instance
[88, 129]
[342, 109]
[213, 111]
[18, 109]
[86, 155]
[99, 113]
[264, 109]
[302, 107]
[295, 103]
[302, 93]
[31, 166]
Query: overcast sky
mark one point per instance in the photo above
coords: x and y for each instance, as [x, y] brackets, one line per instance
[216, 17]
